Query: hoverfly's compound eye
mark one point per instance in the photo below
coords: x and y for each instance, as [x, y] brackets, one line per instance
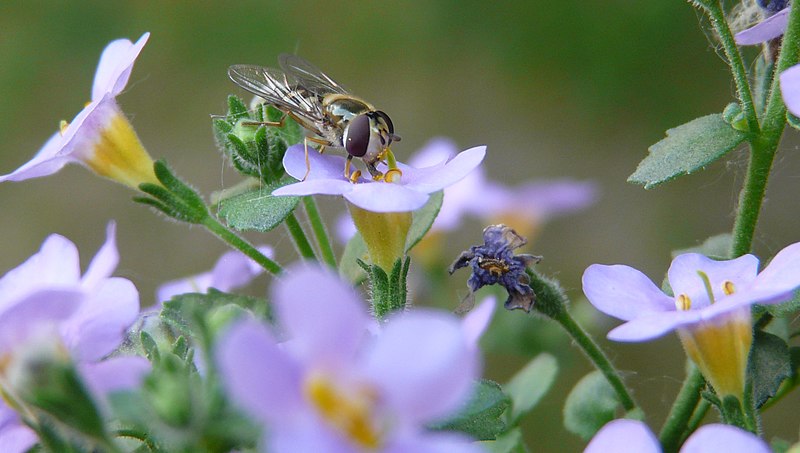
[356, 136]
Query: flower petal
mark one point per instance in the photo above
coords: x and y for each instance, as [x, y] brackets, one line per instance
[105, 261]
[782, 274]
[24, 317]
[623, 292]
[790, 89]
[323, 316]
[435, 152]
[433, 442]
[685, 279]
[56, 265]
[315, 187]
[15, 437]
[769, 28]
[44, 163]
[198, 283]
[116, 63]
[424, 364]
[258, 375]
[654, 325]
[624, 435]
[320, 166]
[718, 437]
[99, 326]
[385, 197]
[455, 170]
[477, 321]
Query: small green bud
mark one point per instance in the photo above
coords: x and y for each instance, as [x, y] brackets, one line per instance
[220, 318]
[245, 129]
[731, 111]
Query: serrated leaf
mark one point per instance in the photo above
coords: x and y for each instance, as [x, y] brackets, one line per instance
[356, 249]
[591, 404]
[481, 418]
[257, 209]
[716, 247]
[530, 384]
[508, 442]
[769, 364]
[423, 218]
[686, 149]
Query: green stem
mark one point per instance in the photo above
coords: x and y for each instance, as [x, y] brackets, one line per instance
[764, 146]
[242, 245]
[320, 233]
[682, 409]
[300, 238]
[720, 24]
[597, 357]
[138, 435]
[697, 417]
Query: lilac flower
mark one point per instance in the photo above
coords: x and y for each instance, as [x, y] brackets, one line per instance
[88, 315]
[232, 270]
[769, 28]
[710, 308]
[333, 387]
[99, 137]
[624, 435]
[326, 177]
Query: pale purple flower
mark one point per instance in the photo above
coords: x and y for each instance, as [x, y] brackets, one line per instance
[410, 192]
[771, 28]
[88, 314]
[623, 435]
[232, 270]
[99, 137]
[323, 382]
[625, 293]
[767, 29]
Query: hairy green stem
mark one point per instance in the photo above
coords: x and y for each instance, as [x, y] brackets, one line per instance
[242, 245]
[764, 145]
[720, 24]
[596, 355]
[682, 409]
[299, 237]
[320, 232]
[697, 417]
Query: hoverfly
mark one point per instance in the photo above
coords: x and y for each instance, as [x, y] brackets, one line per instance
[335, 117]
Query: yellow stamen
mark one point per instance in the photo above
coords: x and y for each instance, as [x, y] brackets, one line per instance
[393, 175]
[683, 303]
[728, 288]
[62, 127]
[350, 414]
[354, 176]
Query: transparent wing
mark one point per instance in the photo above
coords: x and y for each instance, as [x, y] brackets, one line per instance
[309, 76]
[278, 89]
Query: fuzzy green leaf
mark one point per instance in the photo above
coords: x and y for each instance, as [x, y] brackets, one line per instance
[686, 149]
[257, 209]
[716, 247]
[769, 364]
[423, 218]
[530, 384]
[482, 416]
[591, 404]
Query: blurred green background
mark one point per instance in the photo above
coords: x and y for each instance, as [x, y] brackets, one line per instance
[555, 89]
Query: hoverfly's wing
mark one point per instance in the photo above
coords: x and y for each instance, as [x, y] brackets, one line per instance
[309, 76]
[278, 89]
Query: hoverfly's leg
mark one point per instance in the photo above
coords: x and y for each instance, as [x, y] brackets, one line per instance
[319, 141]
[266, 123]
[308, 163]
[352, 177]
[376, 174]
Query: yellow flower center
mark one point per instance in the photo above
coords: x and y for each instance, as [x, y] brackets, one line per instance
[351, 413]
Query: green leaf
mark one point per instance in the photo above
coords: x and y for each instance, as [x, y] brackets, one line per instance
[530, 384]
[591, 404]
[423, 218]
[509, 442]
[769, 364]
[716, 247]
[356, 249]
[257, 209]
[784, 309]
[686, 149]
[481, 418]
[793, 120]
